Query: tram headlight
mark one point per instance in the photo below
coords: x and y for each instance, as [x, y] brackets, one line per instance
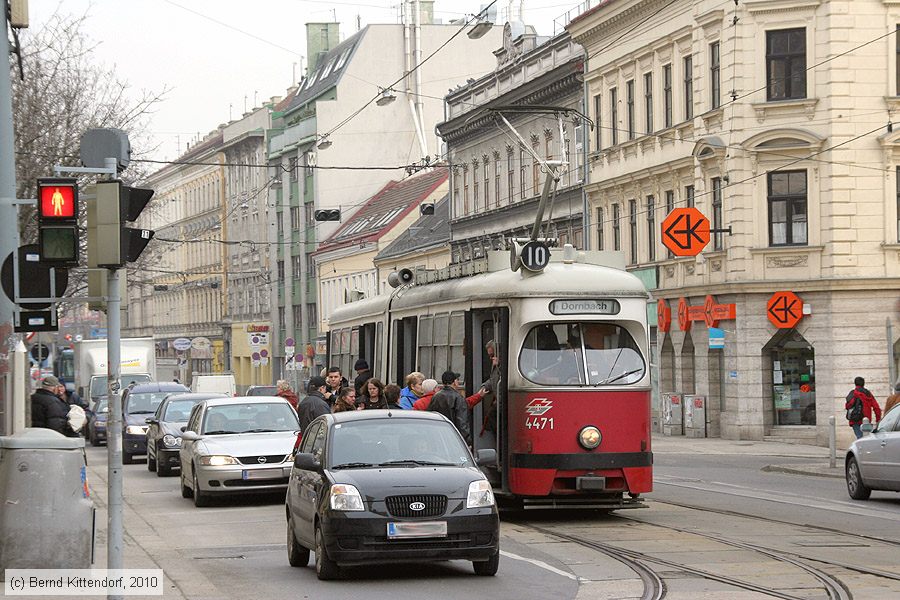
[589, 437]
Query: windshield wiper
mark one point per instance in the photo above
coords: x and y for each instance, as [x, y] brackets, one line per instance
[353, 465]
[264, 430]
[141, 412]
[620, 376]
[218, 432]
[424, 463]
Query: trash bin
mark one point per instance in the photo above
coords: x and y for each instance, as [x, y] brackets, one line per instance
[46, 513]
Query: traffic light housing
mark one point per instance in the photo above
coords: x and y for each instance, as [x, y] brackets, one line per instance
[58, 221]
[111, 243]
[426, 209]
[327, 214]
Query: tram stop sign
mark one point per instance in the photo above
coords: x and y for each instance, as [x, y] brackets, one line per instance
[685, 231]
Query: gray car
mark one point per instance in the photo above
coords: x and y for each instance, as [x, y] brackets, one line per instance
[237, 445]
[873, 461]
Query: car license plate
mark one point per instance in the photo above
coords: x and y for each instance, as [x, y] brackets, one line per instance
[417, 530]
[263, 474]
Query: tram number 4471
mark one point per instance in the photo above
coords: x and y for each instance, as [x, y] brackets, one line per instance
[539, 422]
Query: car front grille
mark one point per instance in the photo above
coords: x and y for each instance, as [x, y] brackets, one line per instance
[254, 482]
[271, 459]
[399, 506]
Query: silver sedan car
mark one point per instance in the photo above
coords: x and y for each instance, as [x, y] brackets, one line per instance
[873, 461]
[237, 445]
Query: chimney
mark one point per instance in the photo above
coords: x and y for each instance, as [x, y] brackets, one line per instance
[320, 38]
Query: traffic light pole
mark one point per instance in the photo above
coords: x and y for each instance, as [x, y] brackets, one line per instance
[115, 529]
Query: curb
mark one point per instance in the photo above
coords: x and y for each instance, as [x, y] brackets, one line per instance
[802, 471]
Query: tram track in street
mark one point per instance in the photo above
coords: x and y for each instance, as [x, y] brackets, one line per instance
[654, 584]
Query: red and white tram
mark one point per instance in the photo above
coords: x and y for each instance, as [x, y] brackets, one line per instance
[570, 420]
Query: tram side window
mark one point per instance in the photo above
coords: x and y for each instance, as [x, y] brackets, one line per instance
[426, 361]
[457, 339]
[441, 339]
[581, 354]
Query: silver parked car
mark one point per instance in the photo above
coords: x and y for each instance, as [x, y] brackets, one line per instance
[237, 445]
[873, 461]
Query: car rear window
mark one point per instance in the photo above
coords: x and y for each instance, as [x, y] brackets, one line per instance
[179, 410]
[379, 441]
[146, 403]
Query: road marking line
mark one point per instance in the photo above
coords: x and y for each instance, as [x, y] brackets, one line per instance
[540, 564]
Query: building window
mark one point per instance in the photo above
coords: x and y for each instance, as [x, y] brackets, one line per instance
[715, 81]
[497, 169]
[718, 241]
[689, 196]
[598, 138]
[535, 172]
[787, 208]
[522, 173]
[629, 102]
[688, 88]
[651, 228]
[600, 224]
[617, 234]
[485, 169]
[667, 96]
[614, 115]
[475, 190]
[510, 174]
[648, 101]
[466, 189]
[897, 67]
[898, 204]
[786, 64]
[295, 218]
[632, 230]
[280, 268]
[670, 206]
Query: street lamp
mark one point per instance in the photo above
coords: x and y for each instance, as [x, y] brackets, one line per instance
[324, 143]
[485, 20]
[387, 96]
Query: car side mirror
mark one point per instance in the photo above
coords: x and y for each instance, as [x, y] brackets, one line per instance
[151, 420]
[307, 462]
[189, 436]
[486, 457]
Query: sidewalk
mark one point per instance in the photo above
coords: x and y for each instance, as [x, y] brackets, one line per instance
[816, 457]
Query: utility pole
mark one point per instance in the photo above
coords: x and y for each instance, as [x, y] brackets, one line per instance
[9, 231]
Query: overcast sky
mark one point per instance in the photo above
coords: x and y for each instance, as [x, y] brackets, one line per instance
[217, 57]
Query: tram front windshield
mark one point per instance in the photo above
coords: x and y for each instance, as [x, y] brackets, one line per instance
[587, 354]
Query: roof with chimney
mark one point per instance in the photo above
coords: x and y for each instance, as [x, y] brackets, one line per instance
[380, 213]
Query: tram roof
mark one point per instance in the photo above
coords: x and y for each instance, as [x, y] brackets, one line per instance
[557, 280]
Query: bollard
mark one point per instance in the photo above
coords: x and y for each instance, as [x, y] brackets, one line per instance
[832, 442]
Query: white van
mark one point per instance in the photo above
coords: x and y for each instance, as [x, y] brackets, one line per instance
[222, 384]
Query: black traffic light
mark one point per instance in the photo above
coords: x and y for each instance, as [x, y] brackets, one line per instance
[327, 214]
[111, 243]
[58, 221]
[426, 209]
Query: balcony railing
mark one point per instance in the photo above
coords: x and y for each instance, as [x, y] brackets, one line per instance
[560, 22]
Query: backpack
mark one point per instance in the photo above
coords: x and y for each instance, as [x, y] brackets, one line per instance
[855, 412]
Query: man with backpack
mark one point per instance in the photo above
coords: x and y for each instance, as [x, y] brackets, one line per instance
[860, 404]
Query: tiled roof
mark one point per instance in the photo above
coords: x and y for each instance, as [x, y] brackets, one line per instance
[427, 232]
[383, 210]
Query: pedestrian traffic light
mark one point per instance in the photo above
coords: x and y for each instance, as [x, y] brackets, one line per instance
[110, 243]
[58, 221]
[328, 214]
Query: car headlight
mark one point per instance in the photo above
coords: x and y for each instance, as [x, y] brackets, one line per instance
[345, 497]
[218, 460]
[589, 437]
[136, 430]
[480, 494]
[171, 441]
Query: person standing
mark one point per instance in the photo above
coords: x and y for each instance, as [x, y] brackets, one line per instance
[429, 386]
[334, 381]
[345, 400]
[48, 410]
[860, 405]
[314, 404]
[893, 398]
[374, 395]
[284, 391]
[450, 403]
[392, 396]
[363, 374]
[413, 390]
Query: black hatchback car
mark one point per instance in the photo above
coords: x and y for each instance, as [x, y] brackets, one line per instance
[164, 432]
[138, 403]
[382, 486]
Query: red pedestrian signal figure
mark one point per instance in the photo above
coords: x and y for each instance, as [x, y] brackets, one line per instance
[58, 221]
[784, 309]
[57, 201]
[685, 231]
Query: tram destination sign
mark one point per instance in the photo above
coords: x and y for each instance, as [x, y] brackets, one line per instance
[584, 307]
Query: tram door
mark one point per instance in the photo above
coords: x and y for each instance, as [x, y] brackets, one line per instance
[487, 339]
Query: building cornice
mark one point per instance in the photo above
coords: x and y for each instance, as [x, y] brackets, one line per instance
[606, 19]
[766, 286]
[757, 7]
